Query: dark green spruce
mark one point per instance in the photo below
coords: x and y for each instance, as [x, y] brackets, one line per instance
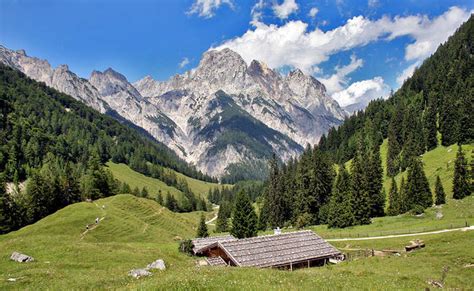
[244, 219]
[461, 185]
[439, 192]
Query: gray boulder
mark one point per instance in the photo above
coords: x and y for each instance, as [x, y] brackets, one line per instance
[21, 258]
[137, 273]
[156, 265]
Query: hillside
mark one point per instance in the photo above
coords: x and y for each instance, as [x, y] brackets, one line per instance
[123, 173]
[439, 161]
[60, 145]
[135, 232]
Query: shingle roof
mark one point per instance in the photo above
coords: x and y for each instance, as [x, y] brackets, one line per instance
[216, 261]
[277, 250]
[201, 243]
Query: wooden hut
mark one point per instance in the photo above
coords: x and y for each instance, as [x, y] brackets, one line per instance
[286, 250]
[199, 244]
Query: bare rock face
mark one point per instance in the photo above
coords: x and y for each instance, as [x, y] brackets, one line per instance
[222, 113]
[138, 273]
[157, 265]
[61, 78]
[21, 258]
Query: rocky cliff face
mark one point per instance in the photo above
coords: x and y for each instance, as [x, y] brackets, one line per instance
[60, 78]
[219, 115]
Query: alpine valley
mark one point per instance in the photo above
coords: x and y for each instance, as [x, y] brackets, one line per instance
[224, 116]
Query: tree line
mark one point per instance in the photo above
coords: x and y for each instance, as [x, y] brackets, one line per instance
[60, 146]
[438, 98]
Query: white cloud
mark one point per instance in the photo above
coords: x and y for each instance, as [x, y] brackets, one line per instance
[359, 94]
[292, 44]
[313, 11]
[284, 9]
[373, 3]
[339, 80]
[407, 73]
[256, 12]
[428, 34]
[207, 8]
[183, 63]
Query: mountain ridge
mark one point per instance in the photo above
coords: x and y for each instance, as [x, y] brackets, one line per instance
[176, 111]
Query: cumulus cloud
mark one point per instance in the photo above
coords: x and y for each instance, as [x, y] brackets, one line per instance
[312, 12]
[359, 94]
[407, 73]
[207, 8]
[292, 44]
[284, 9]
[256, 12]
[183, 63]
[339, 80]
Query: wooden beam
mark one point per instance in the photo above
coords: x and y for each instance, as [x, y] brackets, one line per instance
[291, 266]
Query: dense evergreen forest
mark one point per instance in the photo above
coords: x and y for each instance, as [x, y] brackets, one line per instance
[439, 97]
[436, 103]
[60, 145]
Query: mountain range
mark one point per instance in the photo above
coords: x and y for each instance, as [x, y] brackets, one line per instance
[222, 116]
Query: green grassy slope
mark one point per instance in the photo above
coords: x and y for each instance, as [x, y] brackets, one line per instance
[198, 186]
[138, 231]
[439, 161]
[123, 173]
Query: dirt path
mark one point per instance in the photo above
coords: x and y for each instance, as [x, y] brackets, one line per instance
[215, 216]
[404, 235]
[94, 225]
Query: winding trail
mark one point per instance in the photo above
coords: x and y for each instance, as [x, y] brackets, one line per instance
[404, 235]
[215, 216]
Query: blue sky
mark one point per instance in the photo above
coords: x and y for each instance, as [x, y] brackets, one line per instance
[356, 48]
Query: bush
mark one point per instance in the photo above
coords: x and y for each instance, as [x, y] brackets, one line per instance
[186, 246]
[417, 209]
[303, 220]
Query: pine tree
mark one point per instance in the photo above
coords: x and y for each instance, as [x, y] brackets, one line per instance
[273, 211]
[340, 206]
[461, 187]
[393, 199]
[6, 218]
[223, 216]
[202, 228]
[171, 202]
[394, 141]
[244, 219]
[374, 179]
[429, 124]
[361, 205]
[418, 188]
[144, 193]
[320, 185]
[159, 197]
[303, 195]
[403, 204]
[439, 192]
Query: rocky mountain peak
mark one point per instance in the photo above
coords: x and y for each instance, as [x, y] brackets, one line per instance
[114, 74]
[259, 68]
[64, 68]
[21, 52]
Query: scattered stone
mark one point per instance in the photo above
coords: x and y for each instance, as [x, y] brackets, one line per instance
[469, 266]
[156, 265]
[21, 258]
[439, 215]
[435, 283]
[177, 238]
[201, 263]
[137, 273]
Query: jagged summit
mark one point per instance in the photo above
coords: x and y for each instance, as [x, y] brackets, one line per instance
[221, 114]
